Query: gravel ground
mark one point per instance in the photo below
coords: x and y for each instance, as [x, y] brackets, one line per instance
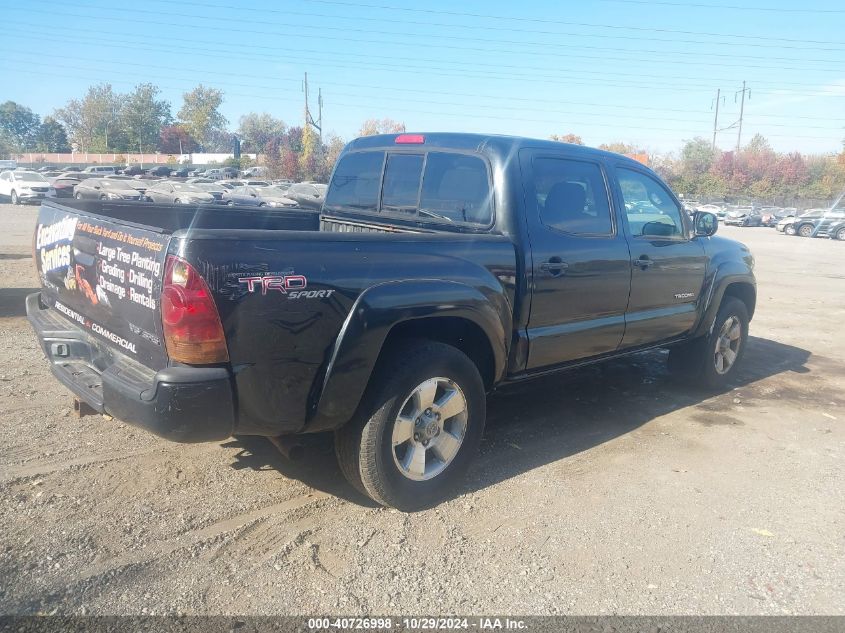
[609, 490]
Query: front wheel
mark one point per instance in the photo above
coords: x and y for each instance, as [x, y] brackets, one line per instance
[421, 423]
[806, 230]
[711, 360]
[78, 196]
[14, 197]
[840, 234]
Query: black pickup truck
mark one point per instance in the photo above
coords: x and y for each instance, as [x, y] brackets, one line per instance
[440, 267]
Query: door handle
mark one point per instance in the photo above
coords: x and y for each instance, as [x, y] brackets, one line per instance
[555, 266]
[643, 262]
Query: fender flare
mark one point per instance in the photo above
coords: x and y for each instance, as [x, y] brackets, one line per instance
[726, 274]
[375, 313]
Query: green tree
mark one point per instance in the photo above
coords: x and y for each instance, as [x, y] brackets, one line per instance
[143, 116]
[51, 136]
[18, 126]
[200, 115]
[93, 122]
[256, 129]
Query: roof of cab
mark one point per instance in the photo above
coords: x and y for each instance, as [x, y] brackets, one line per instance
[499, 144]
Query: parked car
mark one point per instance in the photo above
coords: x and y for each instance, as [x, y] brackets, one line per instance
[132, 170]
[62, 187]
[788, 224]
[196, 171]
[819, 225]
[67, 168]
[160, 170]
[230, 172]
[23, 186]
[775, 217]
[137, 184]
[106, 189]
[254, 172]
[837, 230]
[307, 194]
[257, 197]
[716, 209]
[214, 189]
[212, 174]
[195, 180]
[743, 216]
[170, 192]
[99, 170]
[388, 316]
[181, 172]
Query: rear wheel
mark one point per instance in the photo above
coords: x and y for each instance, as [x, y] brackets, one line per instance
[14, 197]
[840, 234]
[711, 360]
[421, 422]
[805, 230]
[78, 196]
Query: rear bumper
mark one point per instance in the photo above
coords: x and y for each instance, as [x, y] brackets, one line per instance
[182, 404]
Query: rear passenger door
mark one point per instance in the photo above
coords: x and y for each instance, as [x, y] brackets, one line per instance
[667, 266]
[581, 268]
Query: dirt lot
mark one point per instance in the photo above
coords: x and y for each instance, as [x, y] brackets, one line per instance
[610, 490]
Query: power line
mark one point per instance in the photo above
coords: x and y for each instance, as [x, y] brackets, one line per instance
[369, 107]
[802, 45]
[732, 7]
[476, 104]
[218, 48]
[543, 53]
[511, 18]
[401, 69]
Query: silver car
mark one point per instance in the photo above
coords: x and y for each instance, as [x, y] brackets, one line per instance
[169, 192]
[106, 189]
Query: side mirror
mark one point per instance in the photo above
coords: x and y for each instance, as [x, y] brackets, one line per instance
[705, 224]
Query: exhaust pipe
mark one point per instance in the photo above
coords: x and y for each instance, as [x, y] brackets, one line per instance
[289, 446]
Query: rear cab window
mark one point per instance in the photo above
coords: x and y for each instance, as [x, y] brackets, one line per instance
[439, 187]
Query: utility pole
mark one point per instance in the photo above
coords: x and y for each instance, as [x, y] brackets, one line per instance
[741, 112]
[309, 120]
[716, 119]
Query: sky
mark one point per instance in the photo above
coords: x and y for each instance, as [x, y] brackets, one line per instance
[635, 71]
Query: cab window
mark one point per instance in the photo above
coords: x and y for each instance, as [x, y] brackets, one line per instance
[650, 209]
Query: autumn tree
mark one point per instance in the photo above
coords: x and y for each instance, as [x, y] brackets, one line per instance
[174, 139]
[622, 148]
[371, 127]
[200, 115]
[567, 138]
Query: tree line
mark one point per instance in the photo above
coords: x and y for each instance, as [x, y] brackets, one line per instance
[756, 171]
[106, 121]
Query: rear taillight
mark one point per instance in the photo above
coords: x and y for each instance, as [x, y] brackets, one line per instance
[192, 330]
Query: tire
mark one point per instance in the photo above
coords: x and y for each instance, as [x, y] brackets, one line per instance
[231, 203]
[78, 196]
[805, 230]
[103, 198]
[840, 234]
[13, 197]
[411, 377]
[177, 201]
[699, 360]
[789, 229]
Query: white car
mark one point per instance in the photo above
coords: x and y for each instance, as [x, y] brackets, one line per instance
[99, 170]
[712, 208]
[23, 186]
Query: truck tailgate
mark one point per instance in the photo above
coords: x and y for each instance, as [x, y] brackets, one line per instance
[104, 275]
